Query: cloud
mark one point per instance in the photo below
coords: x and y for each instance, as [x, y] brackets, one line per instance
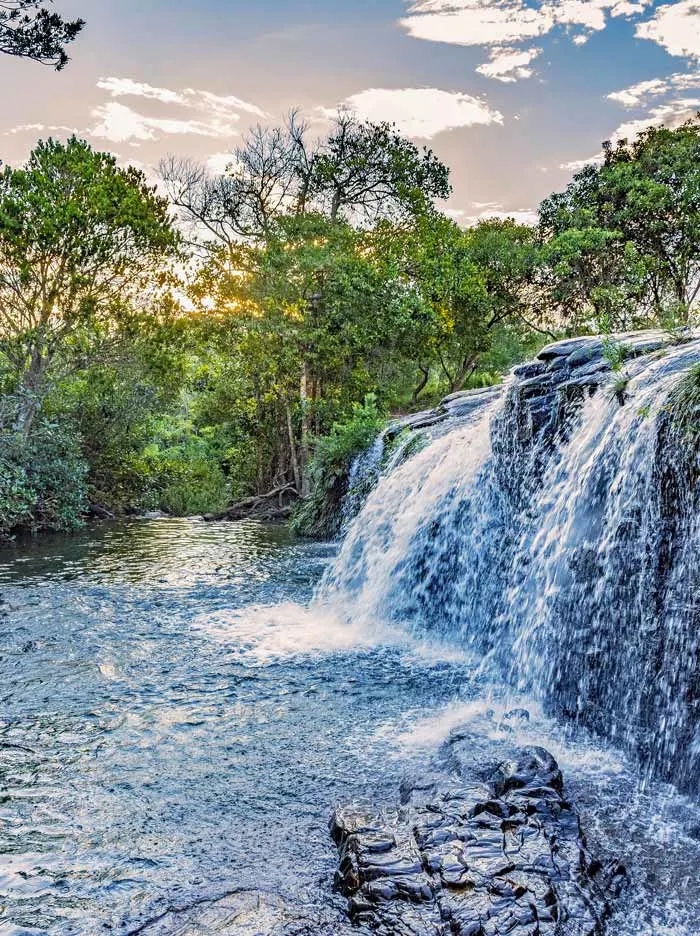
[497, 213]
[189, 97]
[40, 128]
[576, 165]
[637, 94]
[218, 163]
[475, 22]
[127, 87]
[213, 115]
[671, 115]
[509, 64]
[504, 22]
[119, 124]
[675, 27]
[421, 113]
[25, 128]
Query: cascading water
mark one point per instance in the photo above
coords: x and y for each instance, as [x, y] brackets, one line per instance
[564, 550]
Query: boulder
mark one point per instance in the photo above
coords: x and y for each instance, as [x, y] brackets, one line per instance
[501, 856]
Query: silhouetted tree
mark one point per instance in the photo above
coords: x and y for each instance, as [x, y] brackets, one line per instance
[30, 29]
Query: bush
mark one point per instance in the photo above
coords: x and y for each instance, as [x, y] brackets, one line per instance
[43, 480]
[319, 514]
[684, 406]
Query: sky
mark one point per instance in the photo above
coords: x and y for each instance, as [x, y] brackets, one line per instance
[514, 95]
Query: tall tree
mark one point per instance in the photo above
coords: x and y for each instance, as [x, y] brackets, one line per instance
[359, 173]
[82, 242]
[623, 237]
[30, 29]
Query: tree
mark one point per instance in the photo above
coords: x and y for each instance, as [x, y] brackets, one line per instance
[311, 314]
[370, 171]
[82, 243]
[470, 285]
[282, 233]
[29, 29]
[622, 238]
[360, 173]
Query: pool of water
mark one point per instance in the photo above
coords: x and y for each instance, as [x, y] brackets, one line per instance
[178, 720]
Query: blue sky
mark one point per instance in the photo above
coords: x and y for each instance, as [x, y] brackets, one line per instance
[513, 94]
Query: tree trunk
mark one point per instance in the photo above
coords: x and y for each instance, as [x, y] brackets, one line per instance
[466, 370]
[425, 372]
[293, 450]
[30, 394]
[304, 447]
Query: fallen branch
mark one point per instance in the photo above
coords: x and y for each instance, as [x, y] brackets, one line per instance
[250, 504]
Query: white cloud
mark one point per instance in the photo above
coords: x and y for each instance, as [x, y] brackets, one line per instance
[40, 128]
[189, 97]
[576, 165]
[509, 64]
[120, 124]
[421, 113]
[636, 95]
[676, 27]
[25, 128]
[218, 163]
[476, 22]
[497, 213]
[671, 115]
[505, 22]
[127, 87]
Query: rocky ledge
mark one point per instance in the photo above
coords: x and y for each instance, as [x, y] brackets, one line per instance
[502, 855]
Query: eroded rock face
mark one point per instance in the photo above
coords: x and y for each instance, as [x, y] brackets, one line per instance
[504, 856]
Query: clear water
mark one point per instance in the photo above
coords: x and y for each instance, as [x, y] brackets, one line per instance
[178, 719]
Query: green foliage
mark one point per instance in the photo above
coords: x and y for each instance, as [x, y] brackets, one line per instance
[684, 407]
[325, 275]
[29, 29]
[43, 480]
[621, 240]
[179, 473]
[615, 353]
[83, 245]
[319, 515]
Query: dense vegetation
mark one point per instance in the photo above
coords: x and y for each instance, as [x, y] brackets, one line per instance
[250, 331]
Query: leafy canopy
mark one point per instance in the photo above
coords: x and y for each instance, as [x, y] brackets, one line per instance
[622, 239]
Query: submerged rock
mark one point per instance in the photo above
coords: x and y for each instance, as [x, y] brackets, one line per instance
[246, 913]
[500, 856]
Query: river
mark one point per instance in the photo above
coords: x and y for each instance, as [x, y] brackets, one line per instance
[178, 720]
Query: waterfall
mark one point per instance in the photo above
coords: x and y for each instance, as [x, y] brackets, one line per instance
[558, 537]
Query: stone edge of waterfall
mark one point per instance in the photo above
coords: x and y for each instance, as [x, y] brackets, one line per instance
[568, 369]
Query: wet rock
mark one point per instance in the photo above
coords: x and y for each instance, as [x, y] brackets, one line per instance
[569, 347]
[465, 857]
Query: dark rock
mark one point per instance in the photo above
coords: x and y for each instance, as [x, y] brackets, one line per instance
[525, 371]
[466, 858]
[569, 347]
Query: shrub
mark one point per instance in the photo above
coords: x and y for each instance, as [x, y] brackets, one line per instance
[43, 482]
[684, 406]
[319, 514]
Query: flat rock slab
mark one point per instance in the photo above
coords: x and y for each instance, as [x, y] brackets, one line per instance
[500, 857]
